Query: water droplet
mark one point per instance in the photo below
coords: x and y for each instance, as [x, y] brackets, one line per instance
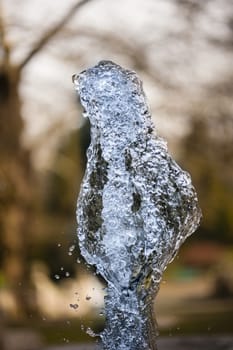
[57, 277]
[71, 249]
[62, 268]
[67, 274]
[90, 332]
[74, 306]
[59, 245]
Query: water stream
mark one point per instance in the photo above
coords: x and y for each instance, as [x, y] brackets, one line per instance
[136, 205]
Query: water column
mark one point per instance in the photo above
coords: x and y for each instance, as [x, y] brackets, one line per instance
[136, 205]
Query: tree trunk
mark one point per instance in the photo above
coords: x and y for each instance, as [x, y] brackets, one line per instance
[16, 178]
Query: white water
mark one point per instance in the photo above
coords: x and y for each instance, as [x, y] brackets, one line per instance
[136, 205]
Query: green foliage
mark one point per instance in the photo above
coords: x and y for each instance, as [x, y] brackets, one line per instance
[208, 156]
[63, 180]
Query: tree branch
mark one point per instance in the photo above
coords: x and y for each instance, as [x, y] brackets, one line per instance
[46, 37]
[136, 50]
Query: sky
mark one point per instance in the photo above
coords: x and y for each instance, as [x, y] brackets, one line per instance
[180, 50]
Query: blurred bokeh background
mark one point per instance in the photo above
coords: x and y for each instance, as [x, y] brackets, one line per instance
[183, 52]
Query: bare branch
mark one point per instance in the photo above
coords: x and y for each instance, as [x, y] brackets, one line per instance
[46, 37]
[135, 50]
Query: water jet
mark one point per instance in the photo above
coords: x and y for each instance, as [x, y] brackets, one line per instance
[136, 205]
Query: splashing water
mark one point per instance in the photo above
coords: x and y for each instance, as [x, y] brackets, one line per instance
[136, 205]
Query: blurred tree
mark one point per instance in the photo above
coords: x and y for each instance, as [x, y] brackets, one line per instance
[17, 181]
[65, 175]
[169, 59]
[208, 154]
[60, 190]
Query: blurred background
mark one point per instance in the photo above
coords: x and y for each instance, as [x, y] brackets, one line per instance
[183, 52]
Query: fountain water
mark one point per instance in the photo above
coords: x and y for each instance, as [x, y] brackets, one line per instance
[136, 205]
